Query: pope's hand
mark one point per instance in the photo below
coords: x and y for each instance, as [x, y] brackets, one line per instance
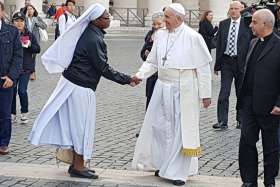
[206, 102]
[134, 81]
[276, 111]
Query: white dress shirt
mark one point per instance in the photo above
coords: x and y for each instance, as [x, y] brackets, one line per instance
[237, 24]
[0, 24]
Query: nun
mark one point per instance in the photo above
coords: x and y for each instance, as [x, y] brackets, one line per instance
[68, 118]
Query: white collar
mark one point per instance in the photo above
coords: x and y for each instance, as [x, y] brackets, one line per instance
[237, 21]
[0, 24]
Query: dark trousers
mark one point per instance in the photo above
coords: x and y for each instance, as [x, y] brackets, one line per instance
[6, 96]
[252, 124]
[21, 89]
[229, 71]
[150, 85]
[279, 137]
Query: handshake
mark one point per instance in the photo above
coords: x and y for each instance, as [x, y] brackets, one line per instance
[134, 81]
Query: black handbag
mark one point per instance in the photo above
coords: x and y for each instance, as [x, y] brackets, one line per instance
[213, 42]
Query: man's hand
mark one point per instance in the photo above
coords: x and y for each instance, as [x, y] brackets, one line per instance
[8, 83]
[206, 102]
[216, 73]
[134, 81]
[276, 111]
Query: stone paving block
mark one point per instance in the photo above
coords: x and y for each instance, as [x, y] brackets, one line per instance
[9, 182]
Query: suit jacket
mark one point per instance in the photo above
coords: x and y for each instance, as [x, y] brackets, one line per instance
[243, 41]
[266, 90]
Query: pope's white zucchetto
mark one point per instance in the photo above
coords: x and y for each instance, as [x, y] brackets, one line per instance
[177, 7]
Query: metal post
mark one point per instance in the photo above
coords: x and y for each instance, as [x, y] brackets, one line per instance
[127, 17]
[143, 17]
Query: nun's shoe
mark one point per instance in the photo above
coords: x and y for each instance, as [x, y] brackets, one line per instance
[178, 183]
[82, 174]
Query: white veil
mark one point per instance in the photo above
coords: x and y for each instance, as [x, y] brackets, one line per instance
[59, 55]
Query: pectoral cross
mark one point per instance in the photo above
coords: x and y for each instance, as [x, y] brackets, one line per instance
[164, 59]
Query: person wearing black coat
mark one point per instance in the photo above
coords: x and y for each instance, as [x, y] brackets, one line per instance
[260, 102]
[10, 68]
[207, 30]
[158, 23]
[30, 48]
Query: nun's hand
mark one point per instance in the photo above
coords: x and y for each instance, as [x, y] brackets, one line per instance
[134, 81]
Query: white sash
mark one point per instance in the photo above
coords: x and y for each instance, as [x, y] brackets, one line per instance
[189, 104]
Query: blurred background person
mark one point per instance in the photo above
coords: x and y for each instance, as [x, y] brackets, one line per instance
[60, 11]
[207, 30]
[26, 3]
[30, 47]
[51, 11]
[33, 24]
[68, 18]
[233, 39]
[158, 23]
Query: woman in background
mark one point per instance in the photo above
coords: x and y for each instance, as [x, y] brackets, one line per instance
[207, 30]
[33, 23]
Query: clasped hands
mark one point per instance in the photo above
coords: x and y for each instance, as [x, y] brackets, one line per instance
[134, 81]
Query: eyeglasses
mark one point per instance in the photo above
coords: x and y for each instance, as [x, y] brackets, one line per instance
[107, 17]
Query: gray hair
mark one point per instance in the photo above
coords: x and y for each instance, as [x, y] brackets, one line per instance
[266, 16]
[157, 15]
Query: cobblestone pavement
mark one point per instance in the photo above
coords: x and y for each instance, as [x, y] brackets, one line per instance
[120, 112]
[28, 182]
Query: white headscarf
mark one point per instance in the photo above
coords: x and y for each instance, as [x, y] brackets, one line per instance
[59, 55]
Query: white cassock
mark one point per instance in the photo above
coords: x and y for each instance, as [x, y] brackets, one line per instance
[169, 139]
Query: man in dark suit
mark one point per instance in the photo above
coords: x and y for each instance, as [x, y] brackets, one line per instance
[260, 102]
[233, 40]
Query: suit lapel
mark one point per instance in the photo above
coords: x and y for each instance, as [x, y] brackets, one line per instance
[226, 32]
[241, 30]
[252, 46]
[267, 48]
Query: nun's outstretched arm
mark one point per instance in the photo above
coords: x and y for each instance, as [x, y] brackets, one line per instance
[98, 56]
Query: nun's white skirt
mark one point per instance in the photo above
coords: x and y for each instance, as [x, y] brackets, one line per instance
[68, 119]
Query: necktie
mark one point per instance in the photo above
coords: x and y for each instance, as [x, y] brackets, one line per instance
[231, 49]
